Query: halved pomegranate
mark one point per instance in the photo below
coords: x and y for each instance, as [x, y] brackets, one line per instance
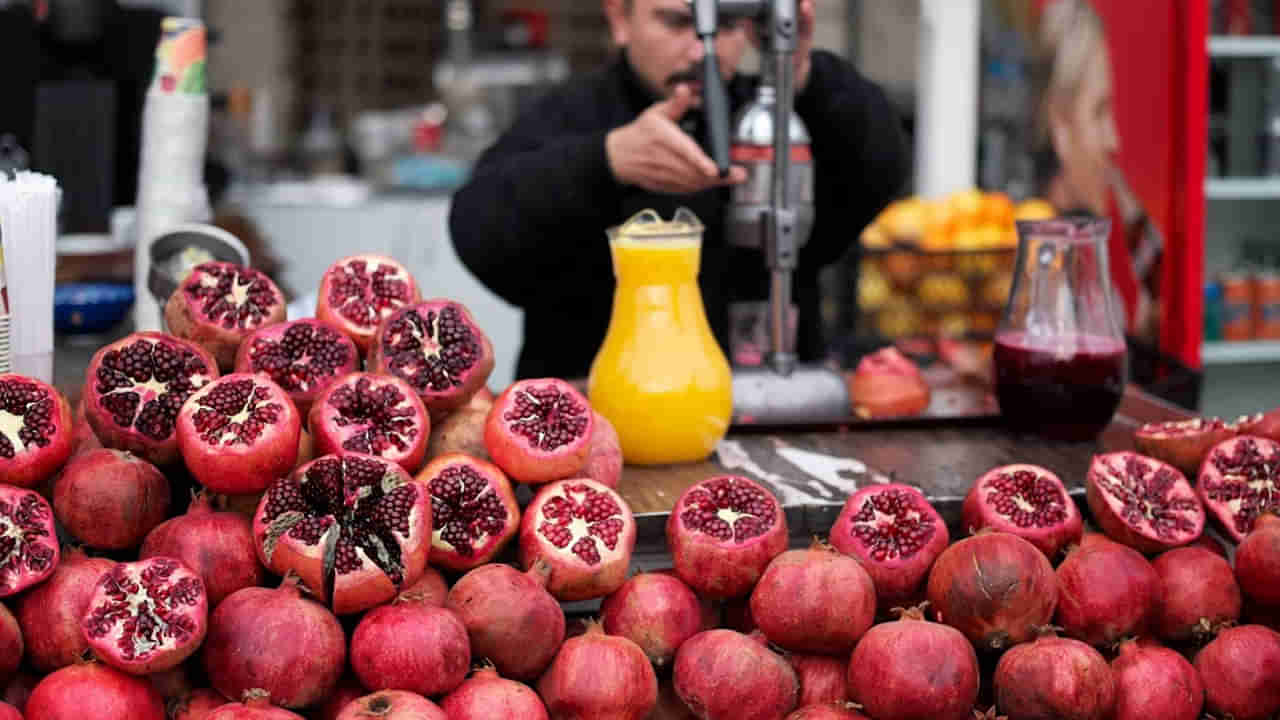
[29, 550]
[474, 511]
[723, 532]
[887, 384]
[1028, 501]
[355, 528]
[35, 430]
[895, 534]
[585, 532]
[219, 305]
[539, 430]
[134, 388]
[146, 616]
[303, 356]
[374, 415]
[437, 347]
[1266, 425]
[1142, 502]
[357, 293]
[1182, 443]
[1240, 480]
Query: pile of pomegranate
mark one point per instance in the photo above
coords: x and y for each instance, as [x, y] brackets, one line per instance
[317, 518]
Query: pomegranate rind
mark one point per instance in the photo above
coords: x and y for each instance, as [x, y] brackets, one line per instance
[764, 686]
[723, 568]
[89, 691]
[513, 451]
[305, 394]
[460, 431]
[111, 616]
[604, 458]
[405, 429]
[411, 646]
[50, 613]
[816, 600]
[448, 518]
[460, 390]
[912, 668]
[1055, 677]
[329, 306]
[1182, 443]
[486, 695]
[823, 679]
[217, 545]
[887, 384]
[1225, 495]
[393, 704]
[897, 578]
[34, 553]
[1067, 524]
[1109, 488]
[573, 577]
[1239, 670]
[627, 690]
[511, 618]
[186, 315]
[11, 645]
[656, 611]
[25, 402]
[1258, 562]
[1155, 682]
[1106, 592]
[94, 479]
[1265, 425]
[1198, 594]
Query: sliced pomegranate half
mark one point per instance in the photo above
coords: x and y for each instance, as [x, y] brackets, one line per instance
[1182, 443]
[723, 532]
[239, 433]
[473, 511]
[437, 347]
[1240, 480]
[35, 430]
[1266, 425]
[1028, 501]
[303, 356]
[146, 616]
[29, 550]
[1142, 502]
[540, 430]
[585, 532]
[895, 534]
[372, 414]
[134, 388]
[219, 305]
[355, 528]
[357, 293]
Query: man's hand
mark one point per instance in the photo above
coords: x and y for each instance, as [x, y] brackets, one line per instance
[653, 153]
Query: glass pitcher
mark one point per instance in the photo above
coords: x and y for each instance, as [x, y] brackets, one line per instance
[660, 376]
[1060, 358]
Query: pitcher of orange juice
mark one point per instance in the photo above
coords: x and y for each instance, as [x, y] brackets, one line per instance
[660, 376]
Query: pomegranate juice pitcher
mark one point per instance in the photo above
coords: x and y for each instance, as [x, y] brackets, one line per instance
[660, 376]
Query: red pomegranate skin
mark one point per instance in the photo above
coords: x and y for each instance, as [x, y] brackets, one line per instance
[1155, 682]
[92, 691]
[18, 689]
[656, 611]
[510, 618]
[33, 460]
[218, 546]
[816, 600]
[604, 456]
[110, 499]
[821, 677]
[828, 711]
[254, 707]
[914, 669]
[430, 589]
[1198, 592]
[393, 705]
[349, 690]
[1106, 591]
[1258, 563]
[10, 643]
[725, 675]
[486, 695]
[9, 712]
[196, 705]
[1239, 670]
[1054, 678]
[411, 646]
[599, 677]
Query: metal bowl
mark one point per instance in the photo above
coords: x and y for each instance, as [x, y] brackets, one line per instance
[219, 243]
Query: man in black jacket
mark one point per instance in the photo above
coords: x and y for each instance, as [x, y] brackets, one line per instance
[531, 221]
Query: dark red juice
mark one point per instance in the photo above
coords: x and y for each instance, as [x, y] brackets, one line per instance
[1061, 387]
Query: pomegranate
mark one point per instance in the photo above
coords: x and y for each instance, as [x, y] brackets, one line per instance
[623, 685]
[411, 646]
[510, 617]
[10, 643]
[539, 430]
[604, 457]
[816, 600]
[146, 616]
[763, 685]
[29, 550]
[1240, 480]
[239, 433]
[218, 546]
[658, 612]
[486, 695]
[896, 534]
[473, 508]
[50, 613]
[1239, 670]
[1258, 562]
[110, 499]
[254, 705]
[1182, 443]
[437, 347]
[92, 691]
[9, 712]
[822, 679]
[303, 357]
[431, 588]
[1106, 592]
[134, 388]
[82, 437]
[482, 400]
[219, 304]
[462, 431]
[585, 532]
[276, 640]
[1198, 595]
[348, 691]
[35, 430]
[172, 683]
[995, 588]
[396, 705]
[887, 384]
[357, 293]
[1155, 682]
[1264, 425]
[355, 528]
[1029, 502]
[723, 532]
[372, 414]
[1142, 502]
[196, 705]
[1054, 677]
[828, 711]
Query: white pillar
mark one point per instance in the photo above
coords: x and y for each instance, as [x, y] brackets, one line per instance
[947, 100]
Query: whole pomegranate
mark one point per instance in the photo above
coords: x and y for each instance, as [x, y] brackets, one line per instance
[146, 616]
[1106, 591]
[431, 588]
[585, 532]
[50, 612]
[510, 617]
[355, 528]
[656, 611]
[1258, 562]
[357, 293]
[604, 457]
[82, 437]
[438, 349]
[1182, 443]
[540, 430]
[91, 691]
[396, 705]
[10, 643]
[461, 431]
[37, 430]
[1054, 677]
[896, 534]
[303, 357]
[763, 685]
[623, 686]
[1239, 670]
[219, 304]
[1142, 502]
[1239, 481]
[110, 499]
[828, 711]
[487, 695]
[196, 705]
[254, 705]
[411, 646]
[822, 679]
[218, 546]
[913, 668]
[1027, 501]
[815, 600]
[1155, 682]
[9, 712]
[372, 414]
[276, 640]
[1198, 594]
[473, 510]
[887, 384]
[29, 550]
[723, 532]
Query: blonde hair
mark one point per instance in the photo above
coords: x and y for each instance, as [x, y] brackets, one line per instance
[1070, 35]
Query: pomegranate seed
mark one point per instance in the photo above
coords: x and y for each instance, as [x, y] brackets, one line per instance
[154, 376]
[592, 517]
[383, 411]
[729, 510]
[364, 297]
[304, 354]
[33, 411]
[235, 412]
[1145, 496]
[21, 526]
[546, 417]
[464, 506]
[892, 525]
[1256, 485]
[1027, 499]
[434, 352]
[230, 296]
